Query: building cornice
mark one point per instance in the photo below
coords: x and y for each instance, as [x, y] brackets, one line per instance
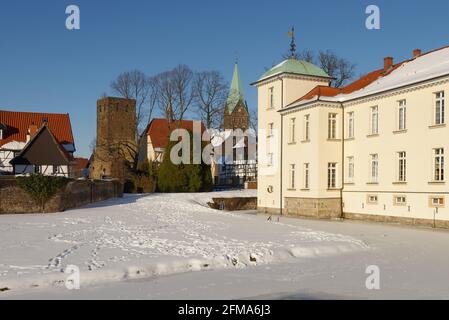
[286, 75]
[399, 91]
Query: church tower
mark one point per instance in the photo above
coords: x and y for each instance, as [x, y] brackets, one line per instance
[236, 114]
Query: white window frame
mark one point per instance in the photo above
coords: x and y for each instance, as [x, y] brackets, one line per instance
[439, 116]
[1, 134]
[307, 127]
[374, 168]
[402, 115]
[438, 169]
[271, 97]
[351, 121]
[402, 166]
[292, 130]
[373, 199]
[306, 174]
[351, 167]
[374, 125]
[398, 200]
[270, 130]
[292, 181]
[270, 157]
[332, 126]
[332, 175]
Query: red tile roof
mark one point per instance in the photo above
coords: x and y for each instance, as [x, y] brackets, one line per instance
[81, 163]
[159, 130]
[18, 123]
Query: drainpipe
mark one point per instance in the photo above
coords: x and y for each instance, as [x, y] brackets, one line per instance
[282, 143]
[343, 165]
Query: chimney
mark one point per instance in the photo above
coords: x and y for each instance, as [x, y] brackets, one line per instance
[32, 129]
[388, 63]
[416, 53]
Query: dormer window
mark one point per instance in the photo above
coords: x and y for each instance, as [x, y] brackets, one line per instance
[2, 131]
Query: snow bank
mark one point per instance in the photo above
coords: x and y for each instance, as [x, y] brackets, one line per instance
[151, 236]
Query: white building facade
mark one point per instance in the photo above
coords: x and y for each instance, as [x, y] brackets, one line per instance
[373, 150]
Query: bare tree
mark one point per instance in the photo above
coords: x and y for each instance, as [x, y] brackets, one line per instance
[210, 90]
[182, 79]
[134, 85]
[338, 68]
[253, 119]
[175, 90]
[165, 92]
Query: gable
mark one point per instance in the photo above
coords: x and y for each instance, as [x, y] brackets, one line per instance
[43, 149]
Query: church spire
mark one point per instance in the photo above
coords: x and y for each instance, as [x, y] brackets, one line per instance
[236, 91]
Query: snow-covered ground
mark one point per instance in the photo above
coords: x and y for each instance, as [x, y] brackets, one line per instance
[175, 247]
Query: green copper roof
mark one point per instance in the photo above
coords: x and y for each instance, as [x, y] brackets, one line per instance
[236, 91]
[295, 66]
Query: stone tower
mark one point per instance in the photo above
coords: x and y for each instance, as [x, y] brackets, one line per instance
[116, 138]
[236, 114]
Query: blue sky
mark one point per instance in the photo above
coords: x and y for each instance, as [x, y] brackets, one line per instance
[46, 68]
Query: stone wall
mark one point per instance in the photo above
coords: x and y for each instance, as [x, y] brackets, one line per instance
[313, 208]
[443, 224]
[14, 200]
[234, 204]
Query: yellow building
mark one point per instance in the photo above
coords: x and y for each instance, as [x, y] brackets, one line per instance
[372, 150]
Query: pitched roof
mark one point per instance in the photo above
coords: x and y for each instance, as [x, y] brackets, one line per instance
[419, 68]
[236, 91]
[159, 130]
[43, 138]
[295, 66]
[81, 163]
[18, 123]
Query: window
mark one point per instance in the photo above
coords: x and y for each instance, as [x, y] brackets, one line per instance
[402, 172]
[307, 128]
[373, 199]
[374, 168]
[292, 130]
[331, 175]
[37, 169]
[271, 98]
[374, 120]
[292, 176]
[270, 159]
[439, 164]
[350, 169]
[437, 202]
[332, 126]
[350, 125]
[400, 200]
[55, 169]
[306, 176]
[439, 108]
[270, 130]
[402, 115]
[1, 134]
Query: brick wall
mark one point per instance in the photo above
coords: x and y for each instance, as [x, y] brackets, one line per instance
[14, 200]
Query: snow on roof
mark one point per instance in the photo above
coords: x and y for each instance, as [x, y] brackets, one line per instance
[426, 67]
[422, 68]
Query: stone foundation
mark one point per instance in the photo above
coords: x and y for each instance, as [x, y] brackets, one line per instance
[397, 220]
[313, 208]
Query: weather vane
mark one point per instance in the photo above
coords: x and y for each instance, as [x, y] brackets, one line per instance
[291, 34]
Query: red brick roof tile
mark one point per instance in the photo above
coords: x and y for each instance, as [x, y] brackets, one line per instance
[18, 123]
[159, 130]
